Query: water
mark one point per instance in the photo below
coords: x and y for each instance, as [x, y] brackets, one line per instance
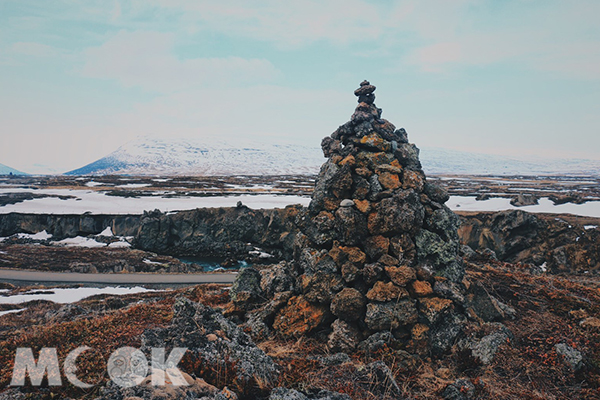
[210, 264]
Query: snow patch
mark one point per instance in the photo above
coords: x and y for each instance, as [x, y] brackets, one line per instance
[70, 295]
[43, 235]
[106, 232]
[134, 185]
[119, 245]
[150, 262]
[93, 184]
[588, 227]
[80, 241]
[11, 311]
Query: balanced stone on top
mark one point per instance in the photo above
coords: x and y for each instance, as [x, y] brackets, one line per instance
[365, 93]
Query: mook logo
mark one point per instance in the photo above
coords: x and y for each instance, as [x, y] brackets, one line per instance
[126, 366]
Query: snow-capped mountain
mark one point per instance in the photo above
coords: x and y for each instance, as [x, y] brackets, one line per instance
[155, 156]
[5, 170]
[445, 161]
[176, 156]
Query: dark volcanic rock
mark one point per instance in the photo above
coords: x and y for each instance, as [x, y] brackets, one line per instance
[376, 237]
[215, 343]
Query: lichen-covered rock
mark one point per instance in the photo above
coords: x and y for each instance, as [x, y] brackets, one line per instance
[195, 389]
[291, 394]
[298, 318]
[246, 288]
[214, 342]
[390, 315]
[572, 357]
[383, 292]
[483, 349]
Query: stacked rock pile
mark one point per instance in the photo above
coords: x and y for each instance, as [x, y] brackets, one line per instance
[377, 252]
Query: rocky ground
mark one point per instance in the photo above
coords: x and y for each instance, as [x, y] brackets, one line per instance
[548, 348]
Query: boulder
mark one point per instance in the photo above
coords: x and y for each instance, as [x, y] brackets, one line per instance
[298, 318]
[348, 305]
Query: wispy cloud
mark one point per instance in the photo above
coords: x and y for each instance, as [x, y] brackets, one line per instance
[146, 60]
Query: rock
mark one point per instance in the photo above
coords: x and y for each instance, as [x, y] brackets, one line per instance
[298, 318]
[291, 394]
[433, 308]
[487, 307]
[381, 380]
[391, 315]
[350, 272]
[351, 226]
[348, 305]
[408, 155]
[12, 394]
[524, 199]
[197, 388]
[572, 357]
[347, 203]
[363, 206]
[421, 288]
[389, 180]
[246, 288]
[436, 192]
[334, 359]
[377, 341]
[443, 334]
[461, 389]
[343, 337]
[321, 287]
[402, 213]
[364, 89]
[483, 350]
[276, 279]
[440, 254]
[286, 394]
[450, 290]
[376, 246]
[401, 276]
[383, 292]
[190, 327]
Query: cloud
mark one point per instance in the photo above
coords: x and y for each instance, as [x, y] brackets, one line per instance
[145, 60]
[285, 23]
[432, 57]
[34, 49]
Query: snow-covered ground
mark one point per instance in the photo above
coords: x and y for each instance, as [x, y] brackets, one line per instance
[468, 203]
[100, 203]
[69, 295]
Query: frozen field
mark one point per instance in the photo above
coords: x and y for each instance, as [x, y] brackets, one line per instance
[97, 202]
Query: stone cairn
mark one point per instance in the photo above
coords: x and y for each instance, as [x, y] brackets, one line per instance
[377, 252]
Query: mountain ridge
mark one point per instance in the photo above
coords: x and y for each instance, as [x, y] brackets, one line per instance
[6, 170]
[176, 156]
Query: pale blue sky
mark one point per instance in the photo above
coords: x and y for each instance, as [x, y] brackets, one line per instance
[80, 78]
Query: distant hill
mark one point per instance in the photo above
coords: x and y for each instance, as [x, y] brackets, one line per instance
[444, 161]
[4, 170]
[154, 156]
